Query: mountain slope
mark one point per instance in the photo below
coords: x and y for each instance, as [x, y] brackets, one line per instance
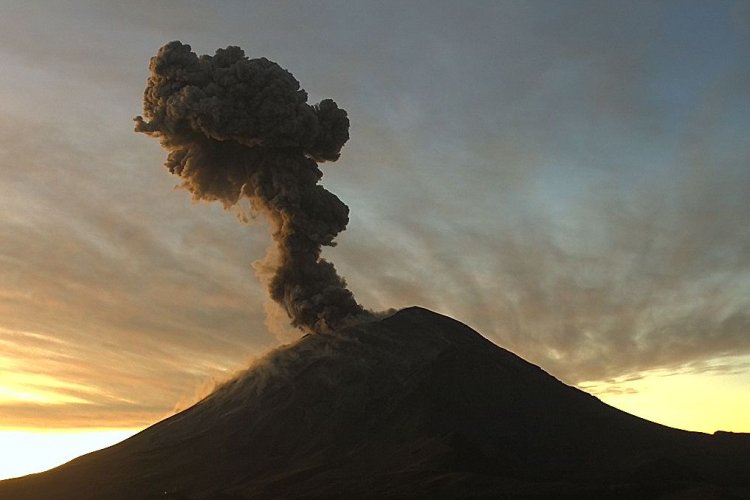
[413, 406]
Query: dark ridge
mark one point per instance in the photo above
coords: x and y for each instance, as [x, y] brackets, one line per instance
[417, 405]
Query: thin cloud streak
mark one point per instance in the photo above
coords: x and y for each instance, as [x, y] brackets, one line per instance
[637, 284]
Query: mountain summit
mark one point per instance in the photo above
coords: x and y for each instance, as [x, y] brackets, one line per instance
[416, 405]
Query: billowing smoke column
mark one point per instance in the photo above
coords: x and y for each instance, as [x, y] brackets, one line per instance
[236, 127]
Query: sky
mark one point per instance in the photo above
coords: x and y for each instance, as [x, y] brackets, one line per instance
[568, 178]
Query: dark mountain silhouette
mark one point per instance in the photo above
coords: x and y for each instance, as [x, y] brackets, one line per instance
[416, 405]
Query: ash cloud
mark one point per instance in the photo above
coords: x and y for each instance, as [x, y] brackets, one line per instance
[239, 128]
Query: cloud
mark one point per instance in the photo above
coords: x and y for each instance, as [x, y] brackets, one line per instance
[625, 281]
[239, 128]
[570, 181]
[105, 302]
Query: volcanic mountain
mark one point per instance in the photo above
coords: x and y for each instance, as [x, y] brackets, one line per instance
[416, 405]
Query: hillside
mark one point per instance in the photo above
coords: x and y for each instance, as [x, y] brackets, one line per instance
[416, 405]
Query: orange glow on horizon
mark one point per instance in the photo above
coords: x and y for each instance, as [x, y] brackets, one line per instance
[25, 452]
[703, 402]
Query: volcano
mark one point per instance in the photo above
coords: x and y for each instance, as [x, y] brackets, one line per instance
[416, 405]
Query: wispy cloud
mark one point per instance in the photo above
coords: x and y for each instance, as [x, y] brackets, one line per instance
[571, 181]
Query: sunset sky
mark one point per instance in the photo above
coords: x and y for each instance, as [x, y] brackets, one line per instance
[571, 179]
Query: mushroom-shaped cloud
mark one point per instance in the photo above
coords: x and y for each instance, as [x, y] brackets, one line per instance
[236, 127]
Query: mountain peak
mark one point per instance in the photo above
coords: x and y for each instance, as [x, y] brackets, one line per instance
[416, 405]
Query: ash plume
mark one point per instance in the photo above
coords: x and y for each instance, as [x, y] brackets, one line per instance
[236, 127]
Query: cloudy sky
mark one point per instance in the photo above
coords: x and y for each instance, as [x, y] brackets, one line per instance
[569, 178]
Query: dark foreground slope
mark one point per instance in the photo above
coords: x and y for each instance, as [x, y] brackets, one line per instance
[414, 406]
